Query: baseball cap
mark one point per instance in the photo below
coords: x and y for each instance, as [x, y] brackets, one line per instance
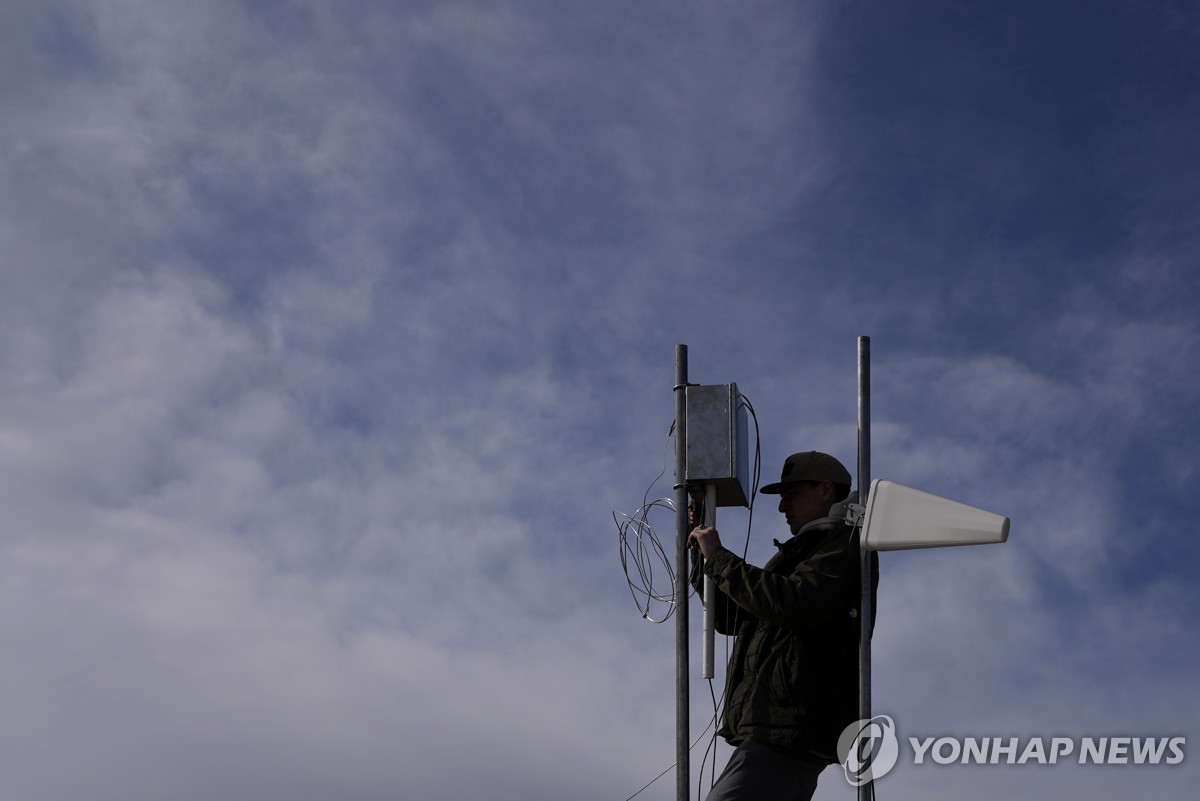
[809, 466]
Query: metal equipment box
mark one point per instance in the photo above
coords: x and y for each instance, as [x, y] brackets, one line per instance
[716, 442]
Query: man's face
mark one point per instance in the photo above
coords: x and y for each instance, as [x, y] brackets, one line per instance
[804, 502]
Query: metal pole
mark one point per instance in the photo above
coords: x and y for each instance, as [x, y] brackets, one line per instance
[682, 723]
[710, 589]
[866, 611]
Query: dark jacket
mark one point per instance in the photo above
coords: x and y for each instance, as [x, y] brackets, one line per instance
[792, 678]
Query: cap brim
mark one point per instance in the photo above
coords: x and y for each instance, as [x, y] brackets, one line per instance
[774, 489]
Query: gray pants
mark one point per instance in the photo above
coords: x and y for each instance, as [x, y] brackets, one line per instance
[757, 772]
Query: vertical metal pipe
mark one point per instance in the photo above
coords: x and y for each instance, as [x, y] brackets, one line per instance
[866, 611]
[710, 590]
[682, 722]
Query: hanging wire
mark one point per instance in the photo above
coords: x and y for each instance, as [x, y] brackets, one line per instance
[673, 764]
[712, 742]
[642, 551]
[757, 471]
[641, 554]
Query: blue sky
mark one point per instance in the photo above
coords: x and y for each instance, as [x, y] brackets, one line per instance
[333, 333]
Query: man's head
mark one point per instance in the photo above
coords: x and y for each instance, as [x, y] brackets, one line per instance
[810, 483]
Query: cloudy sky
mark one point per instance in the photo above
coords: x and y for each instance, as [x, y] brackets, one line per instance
[332, 334]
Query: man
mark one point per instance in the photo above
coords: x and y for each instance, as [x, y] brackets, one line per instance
[792, 679]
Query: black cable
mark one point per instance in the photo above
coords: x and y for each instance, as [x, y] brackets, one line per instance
[757, 471]
[712, 746]
[673, 764]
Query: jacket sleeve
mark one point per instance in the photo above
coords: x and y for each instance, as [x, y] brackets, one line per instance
[726, 615]
[809, 595]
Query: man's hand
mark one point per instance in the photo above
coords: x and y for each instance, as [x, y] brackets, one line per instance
[706, 539]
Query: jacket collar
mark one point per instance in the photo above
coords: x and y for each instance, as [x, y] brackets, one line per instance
[820, 524]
